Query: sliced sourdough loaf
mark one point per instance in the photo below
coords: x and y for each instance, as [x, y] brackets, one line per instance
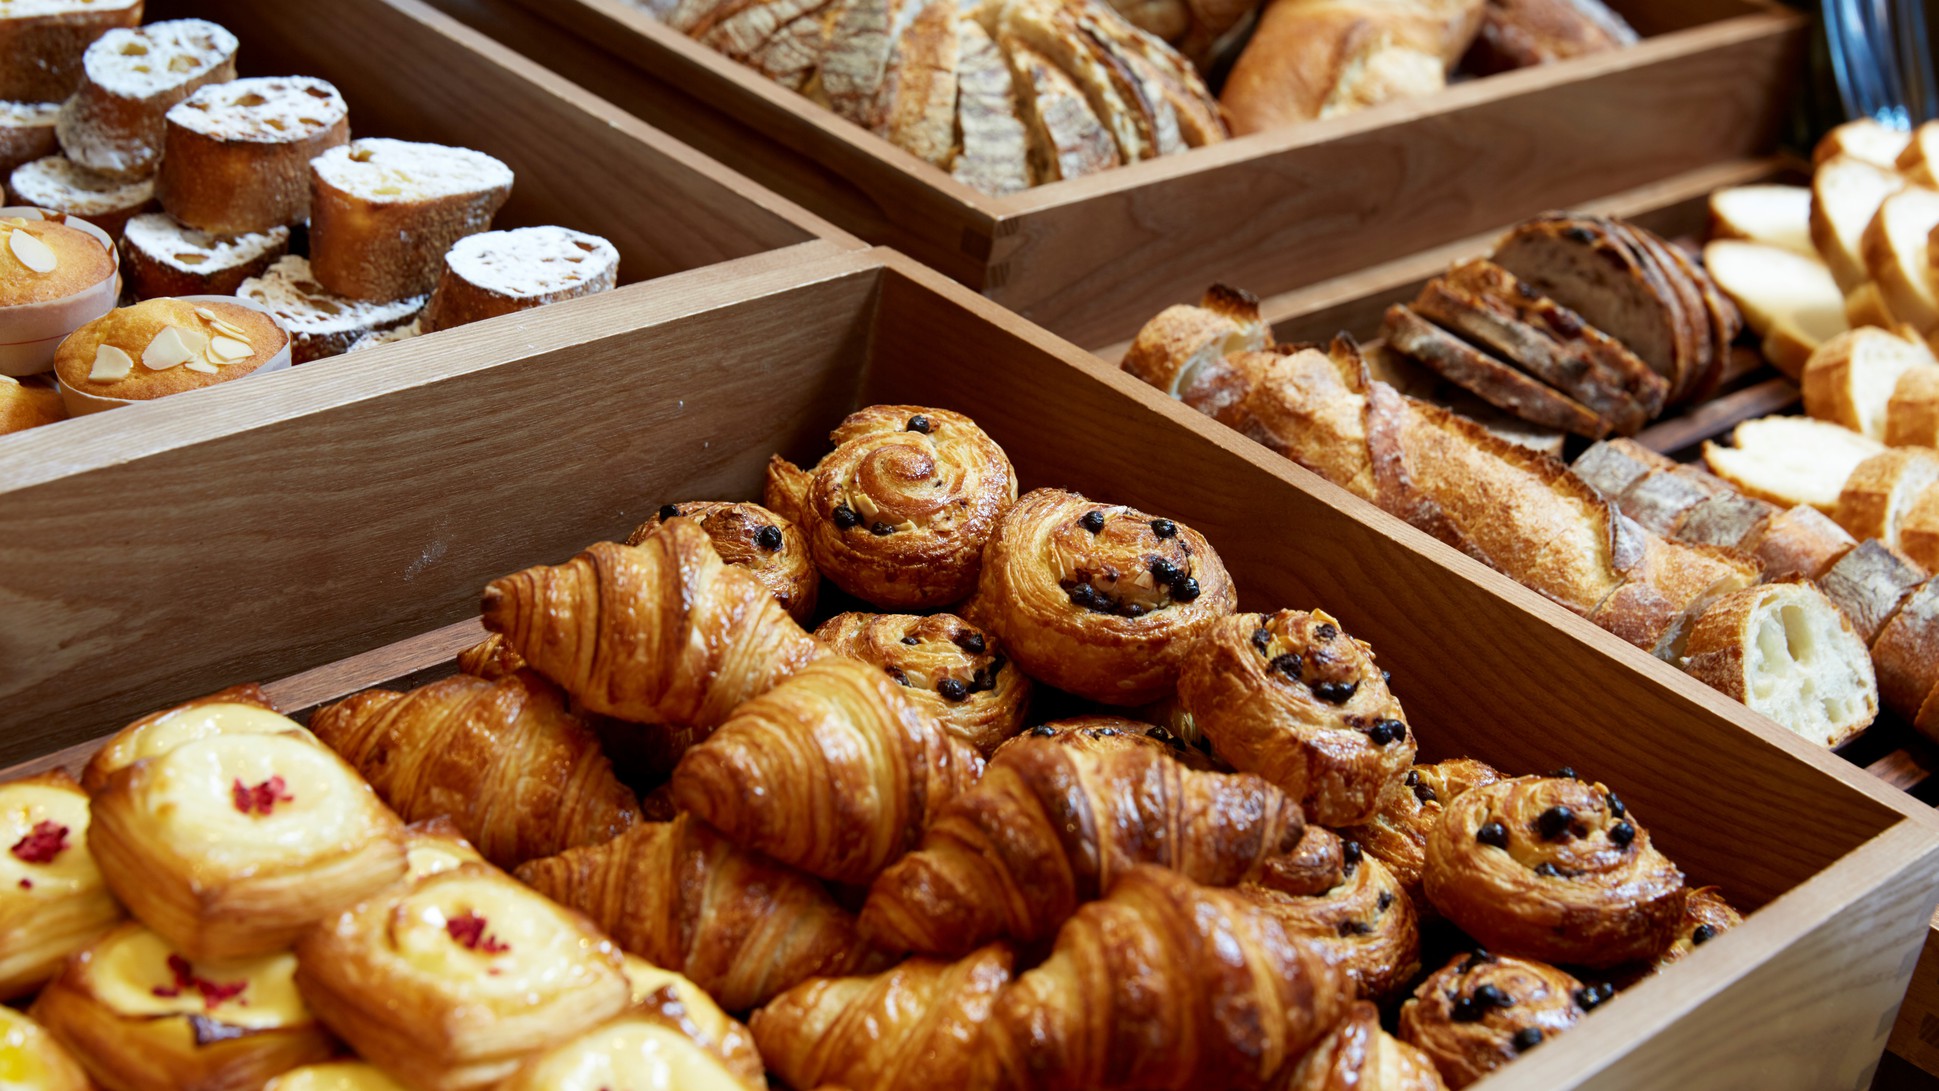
[1898, 255]
[1880, 490]
[1784, 650]
[236, 156]
[383, 213]
[1846, 193]
[58, 184]
[320, 324]
[1725, 322]
[166, 258]
[1697, 358]
[1852, 377]
[500, 272]
[995, 147]
[916, 106]
[1490, 379]
[1770, 214]
[1870, 583]
[1801, 543]
[1172, 348]
[1791, 460]
[1067, 140]
[42, 43]
[1906, 652]
[1864, 139]
[781, 39]
[1523, 33]
[113, 124]
[26, 133]
[1912, 412]
[1140, 119]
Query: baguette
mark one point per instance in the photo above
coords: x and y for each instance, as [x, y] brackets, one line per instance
[1791, 460]
[27, 133]
[1864, 139]
[1784, 650]
[1488, 378]
[1870, 583]
[1846, 193]
[1613, 465]
[1912, 412]
[1880, 491]
[1524, 33]
[1906, 653]
[1801, 544]
[1897, 252]
[384, 212]
[500, 272]
[1302, 406]
[42, 44]
[236, 156]
[1773, 215]
[1730, 520]
[113, 124]
[165, 258]
[1919, 529]
[1172, 348]
[1672, 586]
[1851, 378]
[1865, 306]
[1789, 348]
[1919, 160]
[59, 185]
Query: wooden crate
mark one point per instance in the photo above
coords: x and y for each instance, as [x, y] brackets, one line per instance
[436, 487]
[1092, 257]
[406, 70]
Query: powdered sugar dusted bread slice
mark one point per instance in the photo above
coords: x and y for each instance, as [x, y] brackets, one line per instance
[236, 156]
[499, 272]
[321, 324]
[413, 328]
[113, 124]
[26, 133]
[60, 185]
[164, 257]
[383, 213]
[1786, 651]
[42, 42]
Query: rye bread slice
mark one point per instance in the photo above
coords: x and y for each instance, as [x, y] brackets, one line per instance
[1501, 288]
[1493, 381]
[1544, 356]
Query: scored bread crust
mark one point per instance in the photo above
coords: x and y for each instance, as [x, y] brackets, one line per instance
[994, 148]
[1801, 543]
[916, 106]
[1674, 584]
[1611, 466]
[499, 272]
[1067, 140]
[1729, 520]
[1729, 652]
[1488, 378]
[384, 212]
[165, 258]
[44, 51]
[1906, 653]
[1660, 499]
[1869, 583]
[1912, 413]
[236, 156]
[113, 124]
[1170, 350]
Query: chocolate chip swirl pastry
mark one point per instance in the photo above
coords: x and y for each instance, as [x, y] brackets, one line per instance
[1481, 1011]
[750, 536]
[1397, 834]
[1361, 917]
[1553, 868]
[1099, 599]
[52, 899]
[898, 512]
[1706, 915]
[1293, 698]
[947, 666]
[1357, 1055]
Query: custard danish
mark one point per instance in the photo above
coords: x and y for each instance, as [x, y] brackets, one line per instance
[53, 901]
[32, 1060]
[1481, 1011]
[231, 845]
[632, 1051]
[952, 669]
[669, 998]
[749, 536]
[238, 710]
[1098, 599]
[1292, 697]
[897, 514]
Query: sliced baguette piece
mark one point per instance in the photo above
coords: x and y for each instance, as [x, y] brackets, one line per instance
[499, 272]
[1865, 306]
[1851, 378]
[1613, 465]
[1898, 254]
[994, 156]
[1488, 378]
[1919, 529]
[1656, 608]
[60, 185]
[1920, 159]
[42, 43]
[1788, 349]
[1870, 583]
[1912, 412]
[1880, 491]
[113, 124]
[320, 324]
[1770, 214]
[1801, 543]
[1771, 285]
[1660, 499]
[1728, 520]
[236, 156]
[1846, 193]
[27, 133]
[1906, 653]
[1786, 651]
[1791, 460]
[383, 213]
[1865, 139]
[1172, 348]
[166, 258]
[1067, 140]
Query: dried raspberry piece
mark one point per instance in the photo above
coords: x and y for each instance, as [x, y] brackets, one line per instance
[47, 841]
[262, 798]
[469, 932]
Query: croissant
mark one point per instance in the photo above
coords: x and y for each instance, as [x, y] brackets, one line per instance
[232, 845]
[451, 982]
[1293, 698]
[519, 775]
[666, 997]
[1164, 985]
[239, 710]
[1553, 868]
[31, 1060]
[898, 512]
[1357, 1055]
[662, 632]
[632, 1051]
[53, 901]
[950, 668]
[141, 1016]
[749, 536]
[1481, 1011]
[831, 771]
[911, 1028]
[683, 897]
[1098, 599]
[1706, 915]
[334, 1076]
[1362, 919]
[491, 659]
[1397, 834]
[1053, 825]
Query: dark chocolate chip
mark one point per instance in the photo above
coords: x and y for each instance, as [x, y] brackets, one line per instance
[1554, 823]
[1082, 594]
[1133, 610]
[1350, 855]
[1325, 632]
[1386, 899]
[1164, 528]
[1413, 777]
[919, 423]
[1547, 870]
[952, 690]
[1288, 665]
[1042, 731]
[897, 674]
[1526, 1039]
[911, 640]
[1386, 731]
[1493, 997]
[1336, 693]
[768, 538]
[845, 517]
[1184, 589]
[969, 640]
[1164, 571]
[668, 511]
[1703, 934]
[1591, 997]
[1567, 772]
[1092, 521]
[1425, 794]
[1622, 833]
[1261, 639]
[1493, 833]
[881, 529]
[1355, 928]
[1480, 956]
[1617, 808]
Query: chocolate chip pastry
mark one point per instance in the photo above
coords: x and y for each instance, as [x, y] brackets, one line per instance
[1481, 1011]
[950, 668]
[752, 537]
[1357, 1055]
[1553, 868]
[1397, 834]
[898, 512]
[1706, 915]
[1295, 699]
[1099, 599]
[1361, 918]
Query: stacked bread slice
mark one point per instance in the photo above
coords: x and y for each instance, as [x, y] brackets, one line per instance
[1559, 533]
[1584, 324]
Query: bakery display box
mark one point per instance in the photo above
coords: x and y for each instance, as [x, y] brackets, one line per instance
[198, 549]
[1092, 258]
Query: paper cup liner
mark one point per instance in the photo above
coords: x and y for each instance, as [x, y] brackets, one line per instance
[80, 403]
[30, 332]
